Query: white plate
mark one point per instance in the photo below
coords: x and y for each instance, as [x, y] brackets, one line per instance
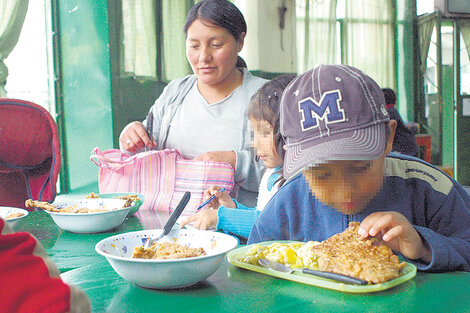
[6, 210]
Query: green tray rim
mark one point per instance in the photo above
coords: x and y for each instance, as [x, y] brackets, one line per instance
[234, 257]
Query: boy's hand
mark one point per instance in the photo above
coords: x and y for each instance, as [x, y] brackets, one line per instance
[221, 198]
[202, 219]
[397, 233]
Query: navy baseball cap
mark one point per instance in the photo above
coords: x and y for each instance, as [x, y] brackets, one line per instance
[329, 113]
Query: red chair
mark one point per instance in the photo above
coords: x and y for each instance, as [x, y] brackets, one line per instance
[424, 141]
[29, 153]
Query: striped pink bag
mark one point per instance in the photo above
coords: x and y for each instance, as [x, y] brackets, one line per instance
[161, 176]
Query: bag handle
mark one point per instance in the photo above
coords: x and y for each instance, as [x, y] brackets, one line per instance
[105, 159]
[112, 158]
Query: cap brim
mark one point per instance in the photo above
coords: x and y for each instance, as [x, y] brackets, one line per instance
[363, 144]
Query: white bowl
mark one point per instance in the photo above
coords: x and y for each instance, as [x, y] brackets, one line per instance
[91, 222]
[166, 273]
[6, 210]
[115, 195]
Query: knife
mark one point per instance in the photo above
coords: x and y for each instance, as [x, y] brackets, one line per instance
[275, 266]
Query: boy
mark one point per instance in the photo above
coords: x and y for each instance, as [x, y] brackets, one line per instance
[338, 134]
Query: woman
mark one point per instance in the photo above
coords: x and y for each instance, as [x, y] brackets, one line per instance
[203, 115]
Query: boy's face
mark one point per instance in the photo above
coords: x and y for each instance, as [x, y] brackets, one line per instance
[348, 186]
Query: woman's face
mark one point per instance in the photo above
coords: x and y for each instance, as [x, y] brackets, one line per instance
[212, 52]
[264, 143]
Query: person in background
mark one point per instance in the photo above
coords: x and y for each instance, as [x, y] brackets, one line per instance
[30, 281]
[203, 115]
[404, 141]
[339, 169]
[227, 214]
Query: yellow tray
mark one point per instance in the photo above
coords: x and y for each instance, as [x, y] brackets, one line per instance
[236, 256]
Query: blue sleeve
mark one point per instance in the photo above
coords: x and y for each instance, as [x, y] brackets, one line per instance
[279, 215]
[238, 221]
[448, 234]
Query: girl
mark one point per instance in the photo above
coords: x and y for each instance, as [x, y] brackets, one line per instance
[226, 213]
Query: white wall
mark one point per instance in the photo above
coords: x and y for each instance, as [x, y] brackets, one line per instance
[267, 47]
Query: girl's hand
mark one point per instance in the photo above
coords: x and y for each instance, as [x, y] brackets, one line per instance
[202, 219]
[219, 156]
[221, 198]
[134, 137]
[394, 230]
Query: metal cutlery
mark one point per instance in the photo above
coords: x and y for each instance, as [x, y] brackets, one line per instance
[171, 221]
[275, 266]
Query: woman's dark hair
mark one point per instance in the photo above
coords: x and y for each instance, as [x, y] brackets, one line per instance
[221, 13]
[265, 106]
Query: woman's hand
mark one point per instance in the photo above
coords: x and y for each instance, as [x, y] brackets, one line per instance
[394, 230]
[202, 219]
[134, 137]
[221, 198]
[219, 156]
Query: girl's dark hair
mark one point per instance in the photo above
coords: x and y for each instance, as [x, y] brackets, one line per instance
[265, 106]
[221, 13]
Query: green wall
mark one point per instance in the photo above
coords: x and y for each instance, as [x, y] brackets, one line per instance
[86, 86]
[447, 116]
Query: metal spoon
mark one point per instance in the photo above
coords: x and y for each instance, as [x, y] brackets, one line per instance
[334, 276]
[171, 221]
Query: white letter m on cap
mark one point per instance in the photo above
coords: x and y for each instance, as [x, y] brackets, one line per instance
[328, 106]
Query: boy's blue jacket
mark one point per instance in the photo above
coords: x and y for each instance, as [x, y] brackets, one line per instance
[437, 206]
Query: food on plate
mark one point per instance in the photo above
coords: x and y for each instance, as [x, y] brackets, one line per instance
[345, 253]
[92, 195]
[348, 254]
[70, 209]
[167, 250]
[129, 198]
[14, 215]
[293, 254]
[40, 205]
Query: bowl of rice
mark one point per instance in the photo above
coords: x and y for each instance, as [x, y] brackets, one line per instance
[182, 258]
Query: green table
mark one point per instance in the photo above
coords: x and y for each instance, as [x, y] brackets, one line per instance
[231, 289]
